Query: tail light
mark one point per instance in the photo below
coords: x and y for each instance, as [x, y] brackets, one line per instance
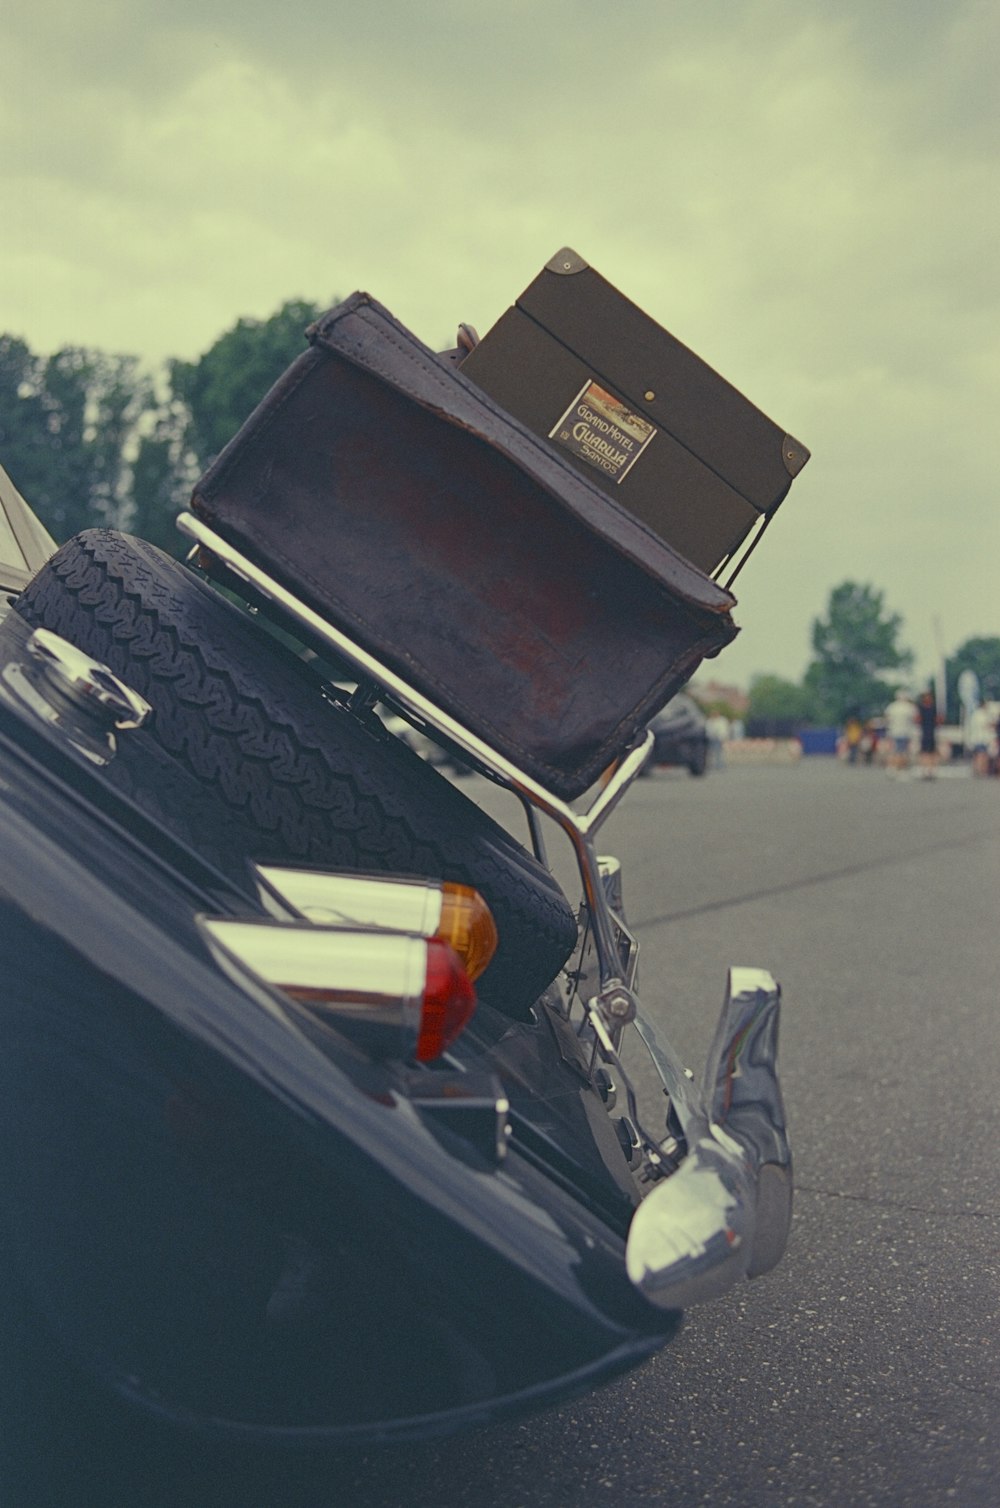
[395, 994]
[448, 1001]
[456, 914]
[467, 924]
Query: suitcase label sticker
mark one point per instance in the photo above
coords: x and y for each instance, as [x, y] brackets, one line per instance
[599, 429]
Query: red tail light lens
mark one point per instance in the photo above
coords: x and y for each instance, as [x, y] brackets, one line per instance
[449, 1001]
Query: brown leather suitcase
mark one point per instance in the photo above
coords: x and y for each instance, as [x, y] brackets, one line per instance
[408, 508]
[641, 414]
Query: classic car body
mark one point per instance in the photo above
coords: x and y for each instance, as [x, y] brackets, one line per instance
[237, 1219]
[224, 1215]
[229, 1213]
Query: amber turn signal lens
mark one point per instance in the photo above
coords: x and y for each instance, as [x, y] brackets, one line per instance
[467, 925]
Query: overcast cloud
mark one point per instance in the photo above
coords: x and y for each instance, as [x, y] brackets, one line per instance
[805, 193]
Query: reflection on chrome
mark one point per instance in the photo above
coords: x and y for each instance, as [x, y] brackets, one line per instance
[86, 682]
[726, 1212]
[76, 698]
[344, 974]
[743, 1095]
[690, 1238]
[398, 905]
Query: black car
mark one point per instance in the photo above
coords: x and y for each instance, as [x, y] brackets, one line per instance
[267, 1179]
[679, 736]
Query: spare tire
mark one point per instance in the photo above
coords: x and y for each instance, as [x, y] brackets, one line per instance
[317, 785]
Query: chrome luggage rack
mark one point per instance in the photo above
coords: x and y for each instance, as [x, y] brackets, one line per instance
[730, 1140]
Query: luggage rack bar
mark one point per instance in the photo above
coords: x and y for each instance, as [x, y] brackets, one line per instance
[616, 1001]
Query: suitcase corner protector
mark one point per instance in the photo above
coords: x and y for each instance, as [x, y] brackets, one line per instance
[566, 261]
[794, 454]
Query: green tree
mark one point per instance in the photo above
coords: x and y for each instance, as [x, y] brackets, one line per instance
[982, 655]
[68, 424]
[223, 387]
[163, 474]
[774, 700]
[854, 646]
[88, 441]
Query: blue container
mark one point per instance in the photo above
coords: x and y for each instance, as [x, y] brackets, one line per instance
[818, 740]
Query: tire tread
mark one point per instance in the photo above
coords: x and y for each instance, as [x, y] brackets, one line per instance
[245, 717]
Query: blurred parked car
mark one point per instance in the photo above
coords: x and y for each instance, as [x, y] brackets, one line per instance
[679, 736]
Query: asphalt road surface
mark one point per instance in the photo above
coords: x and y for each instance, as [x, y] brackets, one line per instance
[866, 1369]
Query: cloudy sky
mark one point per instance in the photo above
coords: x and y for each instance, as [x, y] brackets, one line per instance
[806, 193]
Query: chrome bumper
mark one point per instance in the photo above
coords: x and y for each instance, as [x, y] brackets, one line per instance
[725, 1213]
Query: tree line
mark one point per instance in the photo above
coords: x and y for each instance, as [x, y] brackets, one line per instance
[858, 664]
[94, 439]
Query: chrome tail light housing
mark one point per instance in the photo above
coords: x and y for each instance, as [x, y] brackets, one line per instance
[394, 994]
[455, 914]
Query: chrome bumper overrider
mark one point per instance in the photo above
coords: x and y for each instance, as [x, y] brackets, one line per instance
[725, 1213]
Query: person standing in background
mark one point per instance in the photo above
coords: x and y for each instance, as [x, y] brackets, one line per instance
[900, 726]
[980, 737]
[928, 719]
[717, 728]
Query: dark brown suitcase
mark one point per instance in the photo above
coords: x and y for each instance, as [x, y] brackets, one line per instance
[404, 505]
[640, 413]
